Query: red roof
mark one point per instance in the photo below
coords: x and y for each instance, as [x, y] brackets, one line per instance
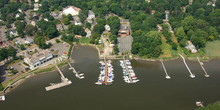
[64, 52]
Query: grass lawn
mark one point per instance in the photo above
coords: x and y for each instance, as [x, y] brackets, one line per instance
[166, 48]
[84, 40]
[213, 49]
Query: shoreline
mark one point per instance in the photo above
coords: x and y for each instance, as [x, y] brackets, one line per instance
[18, 82]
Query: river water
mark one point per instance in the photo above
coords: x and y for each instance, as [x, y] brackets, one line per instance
[153, 92]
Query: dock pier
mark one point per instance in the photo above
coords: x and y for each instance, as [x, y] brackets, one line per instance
[201, 64]
[127, 69]
[167, 76]
[64, 81]
[191, 75]
[80, 76]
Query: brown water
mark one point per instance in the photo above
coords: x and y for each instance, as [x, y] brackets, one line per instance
[153, 92]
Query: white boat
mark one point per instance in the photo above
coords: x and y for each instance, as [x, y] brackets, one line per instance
[2, 98]
[136, 80]
[98, 83]
[81, 74]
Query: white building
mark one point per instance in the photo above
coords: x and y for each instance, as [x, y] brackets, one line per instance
[91, 16]
[88, 32]
[191, 47]
[74, 11]
[107, 27]
[13, 33]
[38, 59]
[29, 41]
[36, 6]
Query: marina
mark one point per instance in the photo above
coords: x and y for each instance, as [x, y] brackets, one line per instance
[106, 75]
[145, 95]
[128, 73]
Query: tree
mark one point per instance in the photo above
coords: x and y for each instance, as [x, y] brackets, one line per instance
[213, 106]
[88, 25]
[44, 6]
[20, 27]
[99, 28]
[174, 46]
[22, 47]
[83, 15]
[116, 50]
[66, 21]
[40, 41]
[30, 29]
[51, 32]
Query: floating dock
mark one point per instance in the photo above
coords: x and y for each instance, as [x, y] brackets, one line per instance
[167, 76]
[201, 64]
[80, 76]
[106, 75]
[128, 72]
[64, 82]
[184, 61]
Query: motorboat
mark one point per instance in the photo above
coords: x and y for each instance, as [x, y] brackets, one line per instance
[2, 98]
[98, 83]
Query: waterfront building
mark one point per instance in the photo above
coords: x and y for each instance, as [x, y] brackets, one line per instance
[191, 47]
[38, 58]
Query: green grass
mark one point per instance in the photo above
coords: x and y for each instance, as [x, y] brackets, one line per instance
[213, 49]
[166, 48]
[84, 40]
[1, 87]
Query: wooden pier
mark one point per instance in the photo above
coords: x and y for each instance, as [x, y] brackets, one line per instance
[201, 64]
[64, 81]
[74, 71]
[184, 61]
[167, 76]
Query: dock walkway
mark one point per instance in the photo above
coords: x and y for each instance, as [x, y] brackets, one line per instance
[80, 76]
[64, 81]
[167, 76]
[191, 75]
[201, 64]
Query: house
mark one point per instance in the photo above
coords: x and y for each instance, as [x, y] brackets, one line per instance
[59, 27]
[17, 15]
[74, 11]
[88, 32]
[20, 10]
[124, 31]
[19, 41]
[56, 15]
[13, 33]
[34, 22]
[191, 47]
[107, 27]
[36, 6]
[77, 22]
[91, 16]
[36, 1]
[29, 41]
[38, 58]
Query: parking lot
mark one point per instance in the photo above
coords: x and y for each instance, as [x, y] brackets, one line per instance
[124, 44]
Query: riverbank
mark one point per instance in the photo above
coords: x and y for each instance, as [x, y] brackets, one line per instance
[13, 83]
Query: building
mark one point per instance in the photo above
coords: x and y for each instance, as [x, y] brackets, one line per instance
[124, 31]
[36, 1]
[36, 6]
[91, 16]
[29, 41]
[13, 33]
[17, 15]
[38, 59]
[74, 11]
[107, 27]
[88, 32]
[191, 47]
